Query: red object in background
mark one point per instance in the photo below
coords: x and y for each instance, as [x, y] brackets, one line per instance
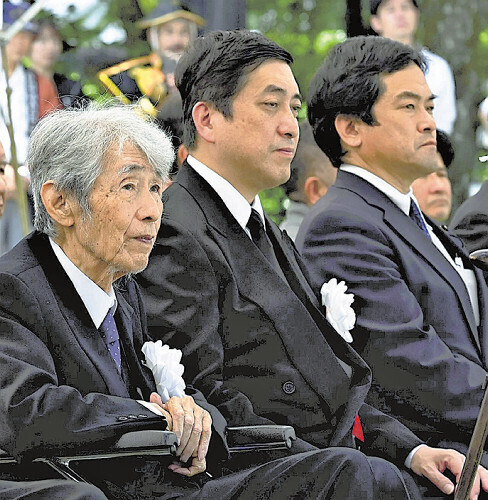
[357, 429]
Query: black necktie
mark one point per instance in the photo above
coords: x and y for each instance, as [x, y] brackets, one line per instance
[262, 241]
[416, 216]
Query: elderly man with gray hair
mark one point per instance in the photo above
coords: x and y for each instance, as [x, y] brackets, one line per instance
[70, 349]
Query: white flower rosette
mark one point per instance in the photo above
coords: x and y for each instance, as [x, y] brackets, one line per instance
[339, 312]
[166, 368]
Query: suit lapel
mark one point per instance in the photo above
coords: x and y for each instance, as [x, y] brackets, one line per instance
[286, 257]
[139, 380]
[302, 338]
[413, 236]
[76, 315]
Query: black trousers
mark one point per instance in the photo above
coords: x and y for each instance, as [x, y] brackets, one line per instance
[49, 490]
[333, 473]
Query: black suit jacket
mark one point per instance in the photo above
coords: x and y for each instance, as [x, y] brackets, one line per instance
[59, 387]
[259, 349]
[415, 325]
[470, 221]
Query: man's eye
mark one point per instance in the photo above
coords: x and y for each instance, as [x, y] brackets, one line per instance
[128, 187]
[271, 104]
[410, 106]
[156, 188]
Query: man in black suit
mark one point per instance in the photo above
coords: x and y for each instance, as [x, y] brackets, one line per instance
[421, 306]
[470, 220]
[70, 352]
[227, 287]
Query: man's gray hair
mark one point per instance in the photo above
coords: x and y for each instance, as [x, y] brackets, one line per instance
[70, 146]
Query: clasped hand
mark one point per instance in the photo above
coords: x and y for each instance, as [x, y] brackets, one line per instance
[193, 428]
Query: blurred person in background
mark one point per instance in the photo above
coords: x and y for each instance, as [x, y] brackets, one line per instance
[433, 191]
[482, 132]
[311, 176]
[470, 221]
[45, 52]
[32, 97]
[171, 27]
[170, 119]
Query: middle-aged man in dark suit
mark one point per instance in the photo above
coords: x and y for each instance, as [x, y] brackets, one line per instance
[70, 338]
[421, 305]
[235, 297]
[470, 221]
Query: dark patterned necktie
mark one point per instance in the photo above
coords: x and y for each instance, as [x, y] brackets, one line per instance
[110, 335]
[262, 241]
[416, 216]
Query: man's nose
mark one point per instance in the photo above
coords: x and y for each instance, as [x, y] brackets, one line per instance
[151, 207]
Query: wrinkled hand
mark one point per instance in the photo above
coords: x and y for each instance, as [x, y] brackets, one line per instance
[197, 466]
[432, 462]
[192, 426]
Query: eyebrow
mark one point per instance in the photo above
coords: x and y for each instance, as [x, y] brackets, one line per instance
[131, 167]
[407, 94]
[279, 90]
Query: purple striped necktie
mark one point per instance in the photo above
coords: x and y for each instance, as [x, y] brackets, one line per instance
[110, 335]
[416, 216]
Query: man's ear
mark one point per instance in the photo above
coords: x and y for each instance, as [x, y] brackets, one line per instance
[181, 154]
[347, 127]
[203, 115]
[58, 206]
[314, 188]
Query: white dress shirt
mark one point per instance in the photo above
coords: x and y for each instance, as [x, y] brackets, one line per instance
[440, 80]
[20, 115]
[97, 302]
[238, 206]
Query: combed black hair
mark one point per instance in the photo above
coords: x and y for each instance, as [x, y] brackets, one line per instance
[349, 82]
[214, 70]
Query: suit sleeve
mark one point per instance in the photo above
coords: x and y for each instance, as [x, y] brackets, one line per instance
[472, 228]
[38, 413]
[181, 288]
[438, 386]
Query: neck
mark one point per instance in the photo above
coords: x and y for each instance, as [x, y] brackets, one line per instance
[392, 177]
[45, 72]
[99, 273]
[228, 174]
[407, 39]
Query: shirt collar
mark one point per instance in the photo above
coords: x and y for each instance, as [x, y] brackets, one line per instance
[96, 300]
[401, 200]
[236, 203]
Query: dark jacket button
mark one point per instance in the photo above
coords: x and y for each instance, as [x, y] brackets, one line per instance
[122, 419]
[289, 387]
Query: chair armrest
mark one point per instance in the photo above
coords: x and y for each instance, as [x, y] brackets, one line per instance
[137, 443]
[145, 440]
[251, 438]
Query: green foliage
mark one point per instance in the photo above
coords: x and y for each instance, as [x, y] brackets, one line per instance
[308, 29]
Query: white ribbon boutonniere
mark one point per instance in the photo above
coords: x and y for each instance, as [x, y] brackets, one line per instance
[339, 312]
[166, 368]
